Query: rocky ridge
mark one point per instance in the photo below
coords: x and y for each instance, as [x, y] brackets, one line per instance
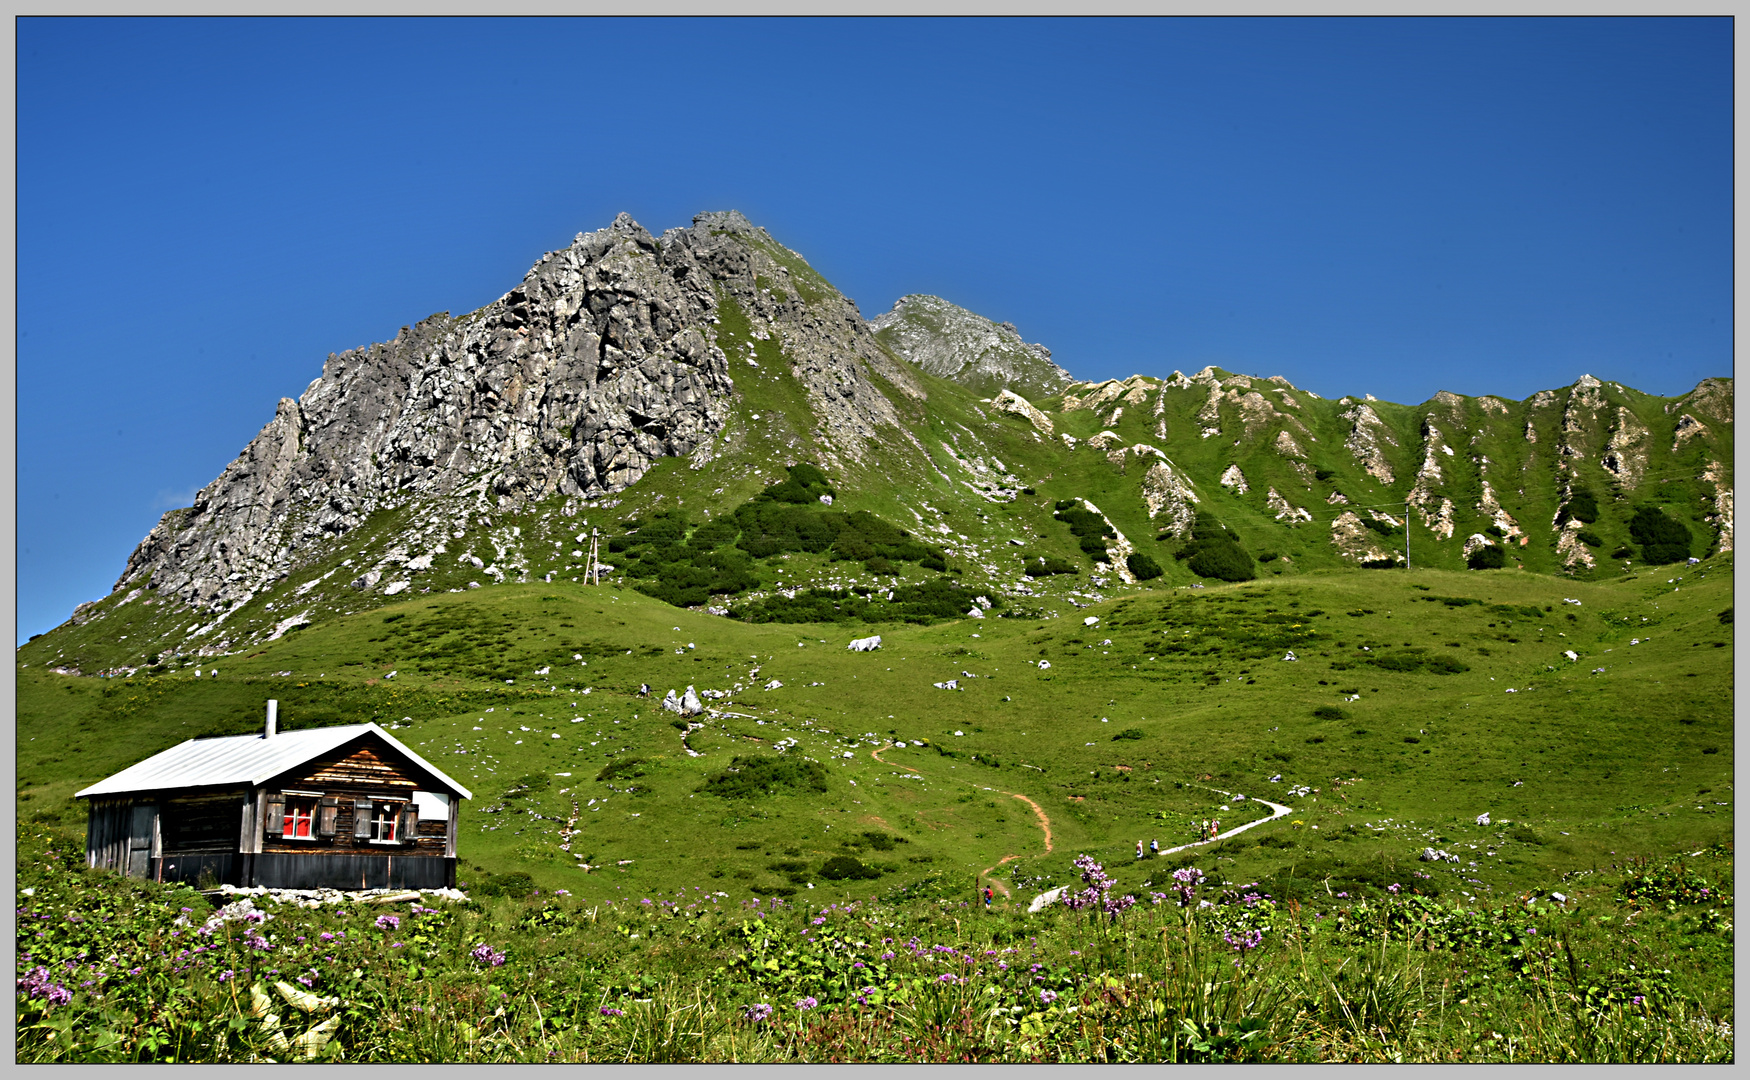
[945, 339]
[655, 371]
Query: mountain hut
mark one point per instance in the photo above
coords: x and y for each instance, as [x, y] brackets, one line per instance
[346, 807]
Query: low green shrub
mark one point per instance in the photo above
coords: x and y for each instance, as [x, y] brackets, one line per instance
[515, 884]
[846, 868]
[1662, 539]
[752, 777]
[1143, 567]
[1488, 557]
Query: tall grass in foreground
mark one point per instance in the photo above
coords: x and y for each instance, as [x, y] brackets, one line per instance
[114, 970]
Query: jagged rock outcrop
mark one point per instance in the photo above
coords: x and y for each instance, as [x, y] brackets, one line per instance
[602, 361]
[947, 340]
[1721, 518]
[1625, 455]
[1366, 432]
[1571, 550]
[1688, 427]
[1284, 510]
[1169, 498]
[1354, 540]
[1011, 402]
[1711, 397]
[1118, 549]
[1490, 507]
[1436, 510]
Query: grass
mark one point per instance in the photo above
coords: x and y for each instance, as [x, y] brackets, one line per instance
[1396, 754]
[113, 970]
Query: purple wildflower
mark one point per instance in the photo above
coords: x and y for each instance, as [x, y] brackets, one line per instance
[610, 1011]
[1046, 997]
[486, 954]
[388, 922]
[38, 984]
[806, 1003]
[756, 1013]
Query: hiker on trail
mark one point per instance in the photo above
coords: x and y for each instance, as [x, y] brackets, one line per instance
[987, 896]
[1154, 846]
[1205, 834]
[1139, 849]
[1214, 829]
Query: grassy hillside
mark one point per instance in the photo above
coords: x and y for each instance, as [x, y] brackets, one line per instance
[1416, 703]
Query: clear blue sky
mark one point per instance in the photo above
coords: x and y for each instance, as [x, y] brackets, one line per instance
[206, 209]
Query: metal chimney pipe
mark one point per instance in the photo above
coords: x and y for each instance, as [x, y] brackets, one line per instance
[273, 718]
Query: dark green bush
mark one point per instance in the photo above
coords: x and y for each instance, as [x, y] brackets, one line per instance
[1590, 539]
[1330, 712]
[1045, 565]
[1417, 659]
[751, 777]
[1582, 506]
[931, 601]
[846, 868]
[1489, 557]
[1145, 568]
[1130, 733]
[515, 884]
[1214, 551]
[624, 769]
[528, 785]
[1662, 539]
[1090, 529]
[1379, 564]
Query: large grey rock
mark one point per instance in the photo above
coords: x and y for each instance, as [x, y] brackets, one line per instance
[948, 340]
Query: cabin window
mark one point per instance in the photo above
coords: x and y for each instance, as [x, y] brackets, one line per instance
[385, 822]
[300, 817]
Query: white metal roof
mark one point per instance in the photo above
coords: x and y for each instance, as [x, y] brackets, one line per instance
[246, 759]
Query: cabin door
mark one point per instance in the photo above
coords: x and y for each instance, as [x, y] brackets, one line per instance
[141, 825]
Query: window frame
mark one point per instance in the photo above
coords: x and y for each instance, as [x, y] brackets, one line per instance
[386, 811]
[291, 802]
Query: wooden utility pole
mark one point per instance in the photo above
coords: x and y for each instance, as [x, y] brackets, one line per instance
[1406, 534]
[593, 574]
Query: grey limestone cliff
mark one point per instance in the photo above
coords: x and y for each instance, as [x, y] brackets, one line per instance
[947, 340]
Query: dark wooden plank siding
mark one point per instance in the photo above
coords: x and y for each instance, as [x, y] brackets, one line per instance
[201, 868]
[106, 833]
[374, 767]
[337, 870]
[203, 822]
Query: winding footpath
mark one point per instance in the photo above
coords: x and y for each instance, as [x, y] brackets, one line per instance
[1277, 812]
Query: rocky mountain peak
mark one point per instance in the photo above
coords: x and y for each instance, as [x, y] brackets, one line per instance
[947, 340]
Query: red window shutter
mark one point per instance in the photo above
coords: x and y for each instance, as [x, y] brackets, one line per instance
[275, 824]
[361, 819]
[328, 816]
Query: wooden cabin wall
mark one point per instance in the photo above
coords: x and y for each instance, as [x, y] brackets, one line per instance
[364, 770]
[203, 822]
[106, 833]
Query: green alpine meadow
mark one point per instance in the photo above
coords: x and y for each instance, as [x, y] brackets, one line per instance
[845, 690]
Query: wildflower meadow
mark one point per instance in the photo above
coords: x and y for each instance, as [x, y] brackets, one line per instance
[113, 970]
